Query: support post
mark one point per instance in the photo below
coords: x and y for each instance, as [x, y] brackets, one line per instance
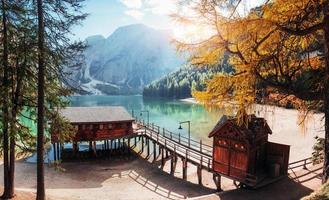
[54, 151]
[75, 148]
[199, 172]
[58, 151]
[154, 152]
[162, 157]
[90, 146]
[94, 148]
[184, 161]
[217, 180]
[142, 144]
[172, 163]
[148, 147]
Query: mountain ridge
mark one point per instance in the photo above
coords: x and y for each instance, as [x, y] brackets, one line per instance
[126, 61]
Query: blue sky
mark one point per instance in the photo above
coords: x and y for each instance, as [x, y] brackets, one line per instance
[107, 15]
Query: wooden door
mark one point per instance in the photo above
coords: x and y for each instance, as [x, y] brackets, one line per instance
[238, 164]
[221, 159]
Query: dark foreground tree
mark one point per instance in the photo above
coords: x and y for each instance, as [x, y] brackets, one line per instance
[5, 102]
[41, 103]
[19, 72]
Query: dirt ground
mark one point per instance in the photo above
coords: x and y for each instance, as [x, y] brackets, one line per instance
[137, 178]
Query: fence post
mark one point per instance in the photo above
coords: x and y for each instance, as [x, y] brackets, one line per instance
[163, 131]
[186, 153]
[304, 166]
[178, 137]
[170, 135]
[201, 146]
[158, 129]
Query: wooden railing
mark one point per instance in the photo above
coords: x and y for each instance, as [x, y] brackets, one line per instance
[300, 163]
[197, 146]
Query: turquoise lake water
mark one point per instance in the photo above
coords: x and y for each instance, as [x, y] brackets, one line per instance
[165, 113]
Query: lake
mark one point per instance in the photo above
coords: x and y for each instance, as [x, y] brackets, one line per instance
[168, 114]
[162, 112]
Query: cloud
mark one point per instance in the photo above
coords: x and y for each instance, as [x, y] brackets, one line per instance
[135, 14]
[161, 7]
[135, 4]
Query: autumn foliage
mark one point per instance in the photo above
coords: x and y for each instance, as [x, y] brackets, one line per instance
[279, 47]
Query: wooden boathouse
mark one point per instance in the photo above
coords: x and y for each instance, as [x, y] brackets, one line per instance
[243, 152]
[93, 124]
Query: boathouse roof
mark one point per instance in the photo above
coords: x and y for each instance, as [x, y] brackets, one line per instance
[255, 126]
[96, 114]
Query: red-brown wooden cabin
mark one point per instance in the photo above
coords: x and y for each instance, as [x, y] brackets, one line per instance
[244, 154]
[97, 123]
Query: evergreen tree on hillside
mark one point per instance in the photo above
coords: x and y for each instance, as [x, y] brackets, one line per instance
[181, 83]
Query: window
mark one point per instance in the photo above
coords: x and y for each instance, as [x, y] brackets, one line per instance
[222, 142]
[83, 126]
[101, 126]
[110, 126]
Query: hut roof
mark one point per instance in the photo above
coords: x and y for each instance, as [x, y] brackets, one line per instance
[254, 126]
[96, 114]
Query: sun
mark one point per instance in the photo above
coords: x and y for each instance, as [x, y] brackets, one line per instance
[191, 33]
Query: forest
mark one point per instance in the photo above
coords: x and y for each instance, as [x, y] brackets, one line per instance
[181, 83]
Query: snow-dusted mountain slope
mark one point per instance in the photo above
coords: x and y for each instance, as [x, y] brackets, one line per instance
[126, 61]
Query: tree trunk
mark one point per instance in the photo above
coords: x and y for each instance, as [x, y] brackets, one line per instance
[5, 111]
[326, 94]
[41, 93]
[11, 181]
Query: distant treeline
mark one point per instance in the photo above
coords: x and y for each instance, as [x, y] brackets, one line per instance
[179, 84]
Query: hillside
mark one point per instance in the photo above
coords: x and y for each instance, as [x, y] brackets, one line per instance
[180, 83]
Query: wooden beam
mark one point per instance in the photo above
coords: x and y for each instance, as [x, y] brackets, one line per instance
[162, 157]
[154, 152]
[172, 163]
[94, 148]
[58, 152]
[142, 144]
[75, 147]
[217, 180]
[184, 164]
[199, 172]
[148, 147]
[54, 151]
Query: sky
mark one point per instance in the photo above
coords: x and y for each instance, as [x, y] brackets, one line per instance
[105, 16]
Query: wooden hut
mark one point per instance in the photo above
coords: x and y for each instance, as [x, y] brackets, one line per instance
[93, 124]
[243, 153]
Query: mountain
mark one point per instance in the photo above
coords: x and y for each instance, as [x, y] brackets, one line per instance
[180, 83]
[126, 61]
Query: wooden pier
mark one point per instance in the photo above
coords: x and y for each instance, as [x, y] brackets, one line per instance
[174, 146]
